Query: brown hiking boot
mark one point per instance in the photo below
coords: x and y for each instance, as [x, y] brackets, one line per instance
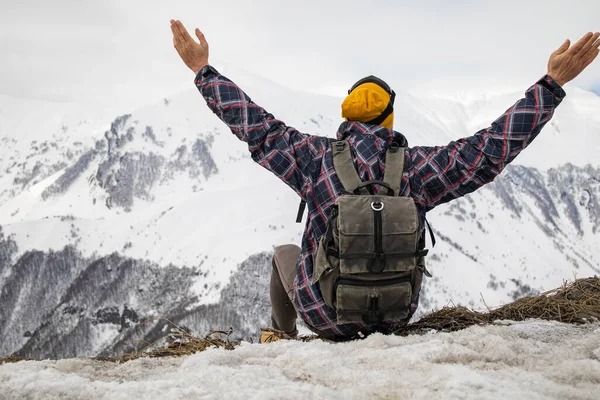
[269, 335]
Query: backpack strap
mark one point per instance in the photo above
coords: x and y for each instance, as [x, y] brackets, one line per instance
[301, 209]
[344, 166]
[394, 167]
[431, 235]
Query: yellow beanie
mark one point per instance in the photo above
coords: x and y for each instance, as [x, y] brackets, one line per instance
[367, 102]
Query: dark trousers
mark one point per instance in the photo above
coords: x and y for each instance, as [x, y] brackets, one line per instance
[283, 315]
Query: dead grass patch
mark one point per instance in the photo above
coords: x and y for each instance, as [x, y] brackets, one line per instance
[576, 302]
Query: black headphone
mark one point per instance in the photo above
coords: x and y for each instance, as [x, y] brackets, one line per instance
[379, 82]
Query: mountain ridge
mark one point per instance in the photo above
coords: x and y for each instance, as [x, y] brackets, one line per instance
[168, 187]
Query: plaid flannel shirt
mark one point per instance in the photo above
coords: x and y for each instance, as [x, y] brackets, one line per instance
[432, 175]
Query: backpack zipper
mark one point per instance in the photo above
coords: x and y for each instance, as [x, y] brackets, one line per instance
[377, 226]
[382, 282]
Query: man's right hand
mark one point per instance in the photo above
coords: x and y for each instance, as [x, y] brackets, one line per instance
[568, 62]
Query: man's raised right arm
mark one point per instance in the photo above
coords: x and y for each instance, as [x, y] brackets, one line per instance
[281, 149]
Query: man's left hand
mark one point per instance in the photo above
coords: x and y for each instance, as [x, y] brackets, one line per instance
[193, 54]
[569, 61]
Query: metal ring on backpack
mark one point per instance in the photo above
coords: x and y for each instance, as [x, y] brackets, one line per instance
[373, 205]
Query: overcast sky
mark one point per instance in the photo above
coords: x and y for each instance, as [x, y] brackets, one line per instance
[121, 53]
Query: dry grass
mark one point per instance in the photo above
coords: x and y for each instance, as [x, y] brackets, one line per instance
[13, 359]
[184, 344]
[574, 303]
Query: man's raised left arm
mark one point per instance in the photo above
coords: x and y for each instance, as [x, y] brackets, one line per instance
[444, 173]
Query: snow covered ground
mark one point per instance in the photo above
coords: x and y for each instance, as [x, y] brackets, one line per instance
[511, 360]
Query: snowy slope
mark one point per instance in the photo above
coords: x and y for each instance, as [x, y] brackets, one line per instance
[527, 360]
[524, 233]
[185, 173]
[169, 185]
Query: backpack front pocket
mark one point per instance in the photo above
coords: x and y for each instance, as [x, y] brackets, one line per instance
[372, 302]
[372, 239]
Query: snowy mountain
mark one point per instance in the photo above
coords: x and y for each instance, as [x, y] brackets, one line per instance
[106, 225]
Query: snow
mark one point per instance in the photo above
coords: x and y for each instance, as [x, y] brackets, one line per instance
[533, 359]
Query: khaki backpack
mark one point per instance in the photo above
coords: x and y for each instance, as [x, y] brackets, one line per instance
[370, 262]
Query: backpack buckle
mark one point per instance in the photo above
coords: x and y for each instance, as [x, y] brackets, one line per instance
[340, 145]
[394, 146]
[377, 205]
[377, 265]
[374, 315]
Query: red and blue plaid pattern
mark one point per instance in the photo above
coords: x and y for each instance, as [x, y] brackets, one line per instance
[432, 175]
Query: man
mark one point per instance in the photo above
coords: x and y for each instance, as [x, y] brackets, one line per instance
[431, 175]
